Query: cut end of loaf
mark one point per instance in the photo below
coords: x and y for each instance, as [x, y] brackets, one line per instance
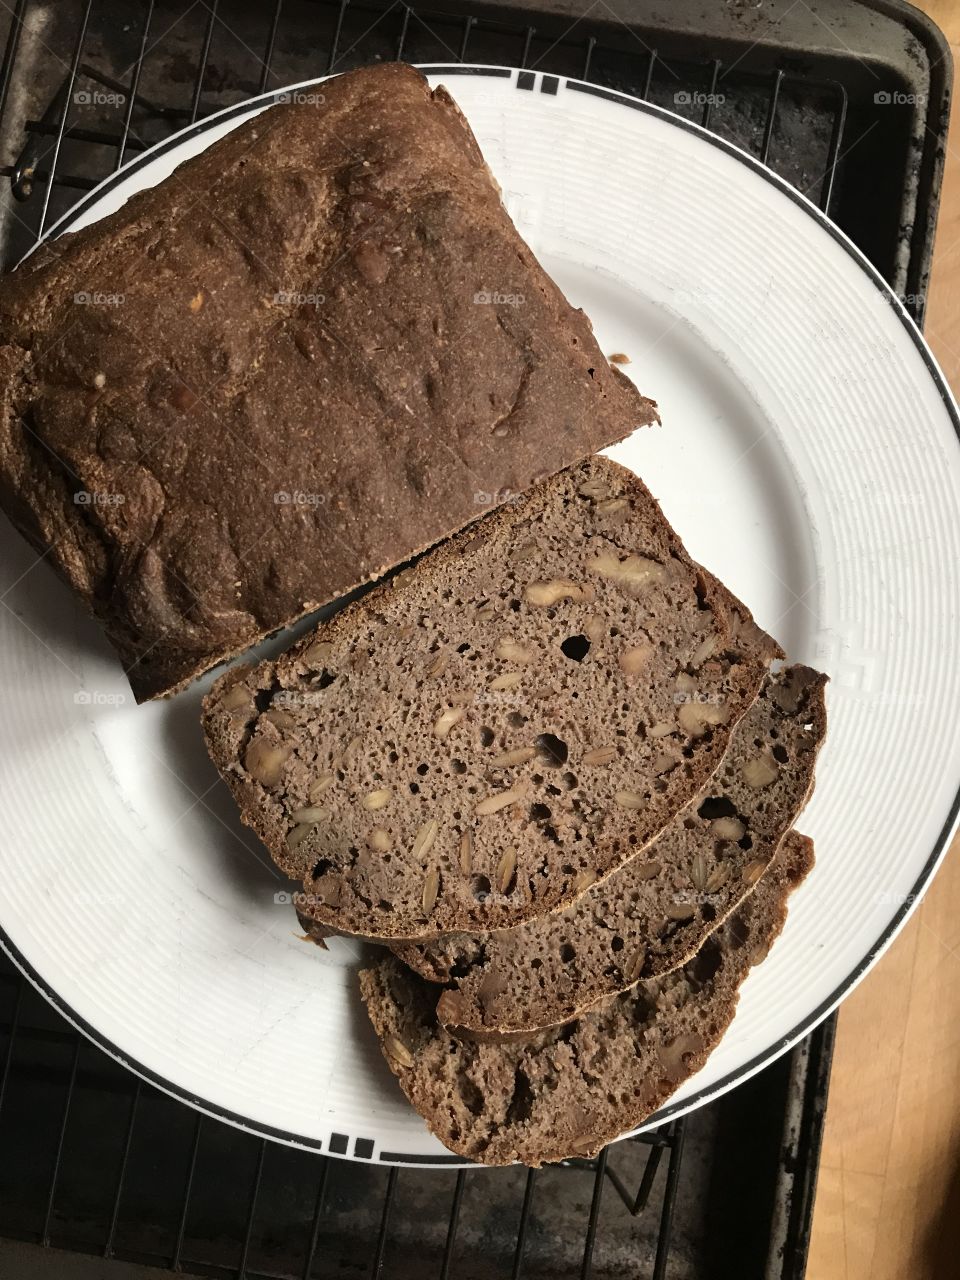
[496, 729]
[568, 1092]
[652, 914]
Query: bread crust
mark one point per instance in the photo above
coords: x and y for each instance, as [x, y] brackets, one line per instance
[298, 361]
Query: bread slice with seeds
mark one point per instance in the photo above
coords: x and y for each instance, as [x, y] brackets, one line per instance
[479, 740]
[652, 914]
[569, 1091]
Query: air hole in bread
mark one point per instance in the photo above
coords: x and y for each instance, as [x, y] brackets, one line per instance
[551, 750]
[539, 813]
[470, 1094]
[780, 753]
[480, 888]
[423, 769]
[486, 736]
[515, 720]
[521, 1104]
[717, 807]
[617, 944]
[457, 766]
[321, 868]
[706, 964]
[575, 647]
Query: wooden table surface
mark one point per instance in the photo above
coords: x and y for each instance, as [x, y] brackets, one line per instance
[888, 1198]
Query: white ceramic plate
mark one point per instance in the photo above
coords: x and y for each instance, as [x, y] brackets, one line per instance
[809, 456]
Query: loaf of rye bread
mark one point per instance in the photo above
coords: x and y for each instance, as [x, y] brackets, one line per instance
[479, 740]
[311, 352]
[569, 1091]
[653, 914]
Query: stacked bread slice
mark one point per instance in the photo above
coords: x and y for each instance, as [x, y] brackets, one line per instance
[553, 768]
[569, 1090]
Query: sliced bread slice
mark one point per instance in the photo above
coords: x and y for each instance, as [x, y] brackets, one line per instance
[652, 914]
[569, 1091]
[477, 741]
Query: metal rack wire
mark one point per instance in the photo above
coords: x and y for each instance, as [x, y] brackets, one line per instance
[81, 1069]
[403, 32]
[294, 1213]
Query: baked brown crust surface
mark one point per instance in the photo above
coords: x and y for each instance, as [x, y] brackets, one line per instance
[269, 379]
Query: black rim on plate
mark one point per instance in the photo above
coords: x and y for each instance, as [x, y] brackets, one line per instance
[524, 81]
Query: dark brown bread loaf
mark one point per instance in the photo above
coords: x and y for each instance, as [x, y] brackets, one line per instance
[652, 915]
[313, 351]
[478, 741]
[570, 1091]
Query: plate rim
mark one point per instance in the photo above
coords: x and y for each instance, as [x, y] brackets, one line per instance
[911, 901]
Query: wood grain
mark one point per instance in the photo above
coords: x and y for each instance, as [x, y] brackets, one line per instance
[888, 1197]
